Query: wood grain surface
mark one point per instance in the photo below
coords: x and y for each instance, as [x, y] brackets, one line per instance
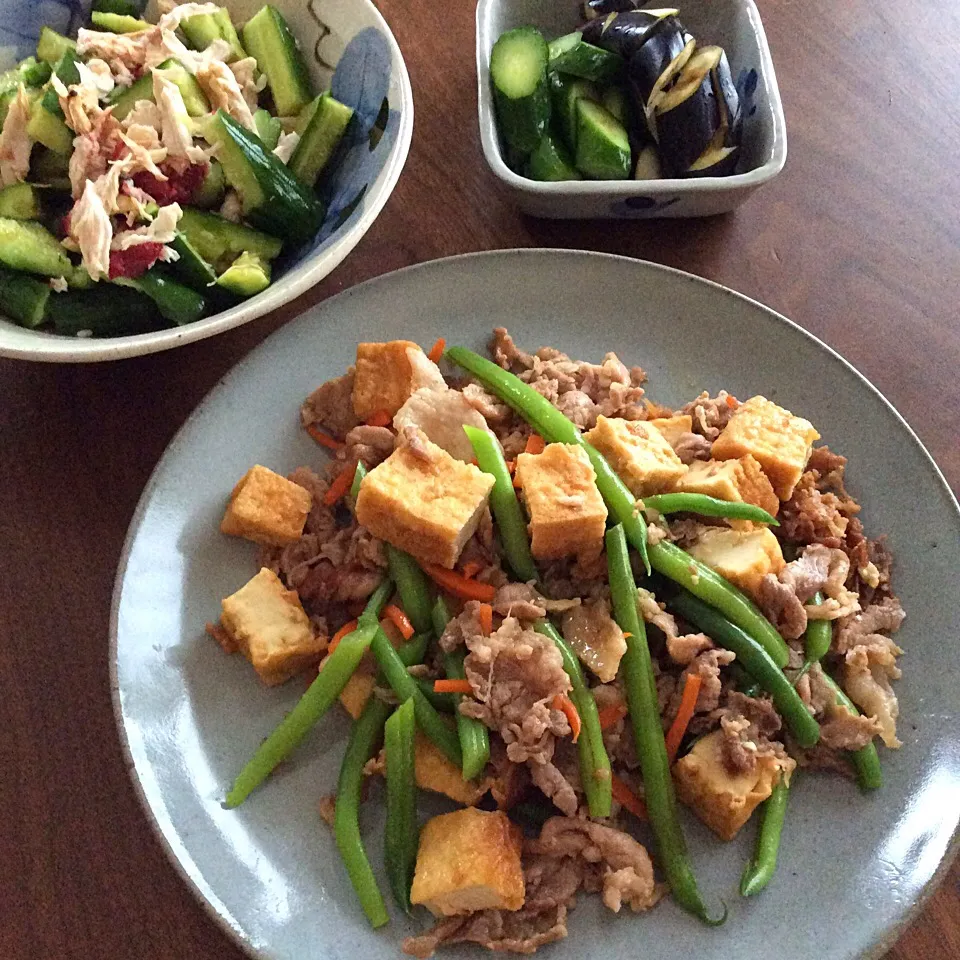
[858, 240]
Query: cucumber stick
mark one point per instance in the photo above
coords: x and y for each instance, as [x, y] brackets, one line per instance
[219, 241]
[194, 99]
[20, 201]
[268, 38]
[203, 28]
[117, 22]
[320, 138]
[603, 147]
[268, 127]
[27, 246]
[552, 161]
[273, 199]
[177, 303]
[565, 91]
[106, 310]
[246, 276]
[52, 46]
[210, 192]
[23, 298]
[571, 54]
[48, 129]
[518, 74]
[189, 267]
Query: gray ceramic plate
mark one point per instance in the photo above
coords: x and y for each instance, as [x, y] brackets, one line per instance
[853, 868]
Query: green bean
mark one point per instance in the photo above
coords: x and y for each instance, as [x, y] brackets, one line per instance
[641, 690]
[358, 476]
[756, 661]
[444, 702]
[440, 616]
[762, 865]
[554, 427]
[866, 760]
[474, 736]
[709, 586]
[506, 508]
[364, 737]
[819, 635]
[319, 697]
[594, 762]
[405, 687]
[402, 831]
[412, 587]
[707, 507]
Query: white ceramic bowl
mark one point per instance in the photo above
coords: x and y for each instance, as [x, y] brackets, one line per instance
[733, 24]
[347, 43]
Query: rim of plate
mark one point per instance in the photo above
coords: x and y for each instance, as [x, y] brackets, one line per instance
[302, 278]
[192, 878]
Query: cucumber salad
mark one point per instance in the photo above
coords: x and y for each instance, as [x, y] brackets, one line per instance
[628, 95]
[152, 172]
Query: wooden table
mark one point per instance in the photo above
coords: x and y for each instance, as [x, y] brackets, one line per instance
[858, 240]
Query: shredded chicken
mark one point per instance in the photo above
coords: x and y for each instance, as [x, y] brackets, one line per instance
[92, 231]
[163, 229]
[15, 144]
[145, 150]
[223, 92]
[554, 785]
[245, 71]
[286, 145]
[232, 209]
[177, 135]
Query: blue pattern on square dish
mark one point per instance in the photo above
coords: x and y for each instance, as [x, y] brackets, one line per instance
[21, 20]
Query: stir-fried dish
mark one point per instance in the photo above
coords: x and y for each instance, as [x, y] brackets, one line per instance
[565, 607]
[150, 173]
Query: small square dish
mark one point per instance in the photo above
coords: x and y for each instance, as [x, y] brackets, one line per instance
[733, 24]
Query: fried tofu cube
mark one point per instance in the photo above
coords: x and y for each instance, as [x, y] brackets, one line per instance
[435, 772]
[356, 692]
[387, 374]
[567, 513]
[422, 500]
[735, 481]
[267, 508]
[778, 440]
[469, 860]
[744, 557]
[270, 628]
[673, 428]
[639, 452]
[721, 799]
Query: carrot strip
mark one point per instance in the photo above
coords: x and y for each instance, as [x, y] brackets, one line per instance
[325, 440]
[627, 798]
[535, 444]
[564, 703]
[380, 418]
[340, 634]
[340, 486]
[452, 686]
[731, 401]
[459, 585]
[436, 351]
[610, 716]
[399, 619]
[486, 618]
[471, 568]
[688, 703]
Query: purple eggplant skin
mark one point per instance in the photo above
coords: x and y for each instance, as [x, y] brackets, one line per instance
[722, 168]
[593, 9]
[687, 130]
[729, 101]
[623, 33]
[661, 47]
